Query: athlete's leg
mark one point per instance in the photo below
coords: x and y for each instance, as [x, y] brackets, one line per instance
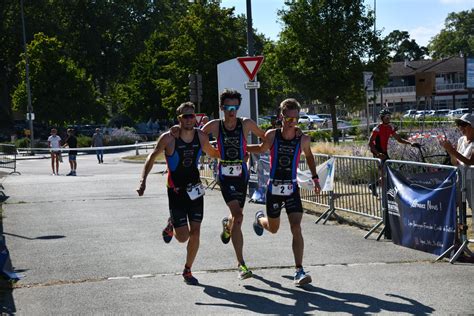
[193, 243]
[270, 224]
[235, 227]
[298, 242]
[181, 233]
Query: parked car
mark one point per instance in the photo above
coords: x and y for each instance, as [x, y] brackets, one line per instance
[442, 113]
[409, 113]
[424, 113]
[457, 113]
[310, 118]
[325, 116]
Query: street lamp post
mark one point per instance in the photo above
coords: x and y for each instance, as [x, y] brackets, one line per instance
[28, 91]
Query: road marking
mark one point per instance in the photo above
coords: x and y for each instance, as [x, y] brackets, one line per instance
[149, 275]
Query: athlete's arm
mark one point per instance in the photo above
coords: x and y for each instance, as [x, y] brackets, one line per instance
[265, 145]
[174, 130]
[206, 146]
[160, 146]
[306, 146]
[250, 125]
[211, 127]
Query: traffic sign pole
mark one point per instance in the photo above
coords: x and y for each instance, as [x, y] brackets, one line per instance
[250, 51]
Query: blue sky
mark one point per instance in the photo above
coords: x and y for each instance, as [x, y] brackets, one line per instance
[421, 18]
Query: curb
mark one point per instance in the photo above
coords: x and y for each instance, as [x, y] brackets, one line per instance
[160, 162]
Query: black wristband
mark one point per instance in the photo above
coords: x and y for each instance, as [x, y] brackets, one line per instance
[315, 177]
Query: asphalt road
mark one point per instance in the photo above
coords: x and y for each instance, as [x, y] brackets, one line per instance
[90, 245]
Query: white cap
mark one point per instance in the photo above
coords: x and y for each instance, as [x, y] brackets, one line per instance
[467, 118]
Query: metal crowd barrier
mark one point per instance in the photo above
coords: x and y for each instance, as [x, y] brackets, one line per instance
[467, 196]
[8, 155]
[322, 199]
[360, 188]
[352, 177]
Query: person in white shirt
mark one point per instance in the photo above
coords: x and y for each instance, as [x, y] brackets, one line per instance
[463, 155]
[54, 142]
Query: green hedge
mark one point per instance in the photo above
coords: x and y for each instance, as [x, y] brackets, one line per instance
[320, 136]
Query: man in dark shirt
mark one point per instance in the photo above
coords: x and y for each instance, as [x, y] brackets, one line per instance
[71, 142]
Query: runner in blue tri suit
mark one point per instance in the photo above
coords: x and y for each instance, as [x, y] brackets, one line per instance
[185, 191]
[233, 176]
[231, 133]
[282, 190]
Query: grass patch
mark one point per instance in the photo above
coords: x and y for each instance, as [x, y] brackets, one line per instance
[343, 149]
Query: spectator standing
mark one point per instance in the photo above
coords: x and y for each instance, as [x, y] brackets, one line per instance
[54, 142]
[71, 142]
[98, 141]
[378, 142]
[463, 154]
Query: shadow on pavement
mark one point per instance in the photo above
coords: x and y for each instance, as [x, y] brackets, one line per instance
[309, 299]
[47, 237]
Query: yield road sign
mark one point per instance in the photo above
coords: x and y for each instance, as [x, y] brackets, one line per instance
[252, 85]
[251, 65]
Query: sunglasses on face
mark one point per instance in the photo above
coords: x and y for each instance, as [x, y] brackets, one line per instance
[231, 107]
[290, 119]
[187, 116]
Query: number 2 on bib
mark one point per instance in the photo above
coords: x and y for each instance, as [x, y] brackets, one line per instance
[232, 170]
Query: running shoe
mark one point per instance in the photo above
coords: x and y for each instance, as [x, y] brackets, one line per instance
[257, 227]
[189, 278]
[225, 235]
[301, 278]
[70, 173]
[168, 232]
[244, 272]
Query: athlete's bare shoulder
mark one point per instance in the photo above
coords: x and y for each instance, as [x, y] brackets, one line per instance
[165, 138]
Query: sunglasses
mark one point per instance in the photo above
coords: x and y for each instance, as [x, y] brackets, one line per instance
[231, 107]
[187, 116]
[290, 119]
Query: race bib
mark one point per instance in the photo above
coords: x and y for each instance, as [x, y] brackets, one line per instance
[196, 191]
[282, 189]
[232, 170]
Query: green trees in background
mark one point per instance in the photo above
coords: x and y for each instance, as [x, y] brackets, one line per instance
[324, 48]
[456, 37]
[400, 45]
[130, 60]
[203, 37]
[61, 91]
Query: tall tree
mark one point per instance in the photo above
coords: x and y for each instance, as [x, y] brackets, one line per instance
[323, 49]
[197, 41]
[61, 92]
[401, 47]
[457, 36]
[208, 35]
